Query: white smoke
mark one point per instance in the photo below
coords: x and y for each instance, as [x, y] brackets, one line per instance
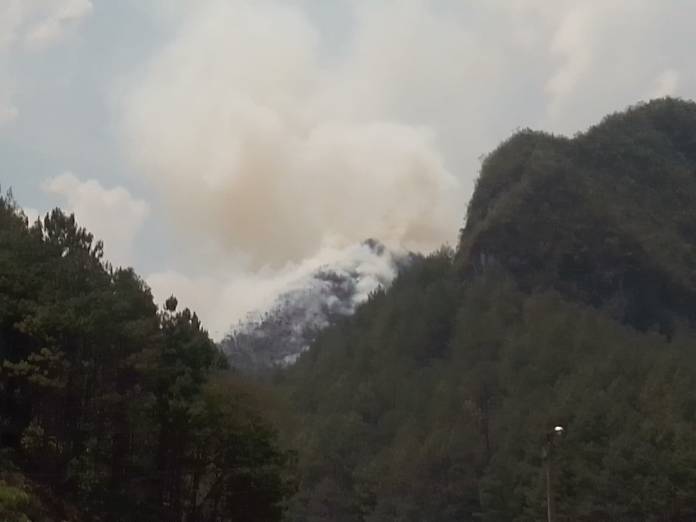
[225, 297]
[312, 302]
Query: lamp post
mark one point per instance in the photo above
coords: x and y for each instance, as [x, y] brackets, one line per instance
[547, 454]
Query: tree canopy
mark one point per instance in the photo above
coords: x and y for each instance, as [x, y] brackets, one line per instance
[113, 409]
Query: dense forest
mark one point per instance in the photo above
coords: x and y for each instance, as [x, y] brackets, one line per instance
[113, 409]
[570, 300]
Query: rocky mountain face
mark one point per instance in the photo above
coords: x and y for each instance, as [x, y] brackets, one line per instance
[278, 336]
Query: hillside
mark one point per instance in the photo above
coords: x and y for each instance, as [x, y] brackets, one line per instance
[278, 336]
[568, 301]
[606, 218]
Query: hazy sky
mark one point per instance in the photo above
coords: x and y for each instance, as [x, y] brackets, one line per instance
[225, 147]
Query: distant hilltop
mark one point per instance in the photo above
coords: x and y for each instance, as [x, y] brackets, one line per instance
[278, 336]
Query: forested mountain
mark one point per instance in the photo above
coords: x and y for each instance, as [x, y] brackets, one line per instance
[278, 336]
[606, 218]
[114, 410]
[570, 300]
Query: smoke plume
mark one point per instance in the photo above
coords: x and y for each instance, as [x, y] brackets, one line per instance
[282, 130]
[243, 127]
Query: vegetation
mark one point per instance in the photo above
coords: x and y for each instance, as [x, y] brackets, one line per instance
[605, 218]
[111, 409]
[570, 300]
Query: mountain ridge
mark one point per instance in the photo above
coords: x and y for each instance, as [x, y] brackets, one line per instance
[568, 301]
[590, 205]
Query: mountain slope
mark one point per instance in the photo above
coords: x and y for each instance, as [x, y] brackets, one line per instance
[433, 401]
[277, 337]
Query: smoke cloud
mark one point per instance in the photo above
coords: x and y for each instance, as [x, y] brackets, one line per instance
[254, 141]
[281, 130]
[223, 298]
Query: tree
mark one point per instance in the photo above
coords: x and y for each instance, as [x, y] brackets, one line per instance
[106, 400]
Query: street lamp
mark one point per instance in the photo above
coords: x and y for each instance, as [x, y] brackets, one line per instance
[547, 453]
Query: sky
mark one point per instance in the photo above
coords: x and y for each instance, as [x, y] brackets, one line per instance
[226, 148]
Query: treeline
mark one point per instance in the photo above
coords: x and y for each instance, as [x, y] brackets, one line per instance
[110, 408]
[570, 300]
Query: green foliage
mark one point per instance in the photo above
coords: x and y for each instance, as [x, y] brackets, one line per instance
[605, 218]
[570, 300]
[395, 433]
[108, 402]
[14, 503]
